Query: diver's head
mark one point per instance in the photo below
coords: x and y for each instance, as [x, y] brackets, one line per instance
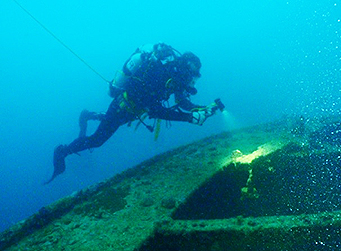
[190, 71]
[191, 64]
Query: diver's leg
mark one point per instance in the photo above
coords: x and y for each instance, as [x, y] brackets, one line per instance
[113, 119]
[102, 134]
[104, 131]
[84, 117]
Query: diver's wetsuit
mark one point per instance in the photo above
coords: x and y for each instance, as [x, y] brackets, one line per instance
[147, 90]
[116, 116]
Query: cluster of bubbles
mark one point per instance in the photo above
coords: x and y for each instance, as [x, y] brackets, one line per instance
[311, 63]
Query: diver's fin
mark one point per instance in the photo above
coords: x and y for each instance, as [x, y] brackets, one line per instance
[49, 181]
[56, 172]
[58, 162]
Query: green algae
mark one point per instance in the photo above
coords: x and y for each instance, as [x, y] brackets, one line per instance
[109, 200]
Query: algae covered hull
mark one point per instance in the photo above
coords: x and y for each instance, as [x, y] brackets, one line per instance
[270, 187]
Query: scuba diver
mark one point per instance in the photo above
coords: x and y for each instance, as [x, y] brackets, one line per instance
[149, 77]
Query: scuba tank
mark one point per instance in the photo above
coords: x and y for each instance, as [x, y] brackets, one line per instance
[131, 66]
[141, 60]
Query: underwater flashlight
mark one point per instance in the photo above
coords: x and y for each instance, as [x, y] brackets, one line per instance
[219, 105]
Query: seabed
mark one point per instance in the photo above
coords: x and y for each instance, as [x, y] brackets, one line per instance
[275, 186]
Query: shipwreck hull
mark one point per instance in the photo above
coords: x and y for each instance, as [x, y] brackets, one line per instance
[268, 187]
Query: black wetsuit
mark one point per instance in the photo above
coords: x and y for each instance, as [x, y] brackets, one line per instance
[148, 91]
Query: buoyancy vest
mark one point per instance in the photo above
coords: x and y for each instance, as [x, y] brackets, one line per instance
[148, 73]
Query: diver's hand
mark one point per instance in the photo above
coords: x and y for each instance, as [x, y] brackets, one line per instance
[212, 108]
[200, 117]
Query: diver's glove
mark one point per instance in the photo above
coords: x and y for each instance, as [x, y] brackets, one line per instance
[199, 117]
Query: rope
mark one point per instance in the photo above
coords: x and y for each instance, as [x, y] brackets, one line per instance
[60, 41]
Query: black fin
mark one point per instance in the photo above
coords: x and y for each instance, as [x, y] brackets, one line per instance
[58, 162]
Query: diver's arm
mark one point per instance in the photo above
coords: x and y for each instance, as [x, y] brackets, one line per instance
[161, 112]
[184, 102]
[187, 105]
[196, 117]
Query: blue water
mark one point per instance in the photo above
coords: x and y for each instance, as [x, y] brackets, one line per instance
[264, 59]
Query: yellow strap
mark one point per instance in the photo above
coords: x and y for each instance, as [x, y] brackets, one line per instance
[130, 106]
[125, 96]
[157, 129]
[169, 81]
